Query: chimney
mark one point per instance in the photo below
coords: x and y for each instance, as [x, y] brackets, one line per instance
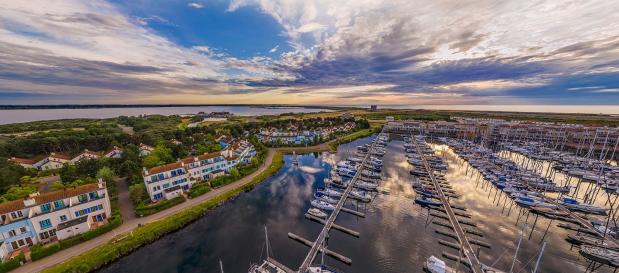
[145, 170]
[100, 183]
[29, 202]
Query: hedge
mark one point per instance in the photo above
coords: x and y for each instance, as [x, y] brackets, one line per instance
[198, 189]
[12, 264]
[126, 243]
[38, 252]
[144, 210]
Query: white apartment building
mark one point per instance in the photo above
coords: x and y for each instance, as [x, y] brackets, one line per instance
[167, 181]
[47, 217]
[170, 180]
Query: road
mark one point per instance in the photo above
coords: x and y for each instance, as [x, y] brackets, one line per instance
[130, 222]
[133, 223]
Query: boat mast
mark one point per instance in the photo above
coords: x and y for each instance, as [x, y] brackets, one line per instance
[266, 236]
[539, 258]
[221, 266]
[517, 248]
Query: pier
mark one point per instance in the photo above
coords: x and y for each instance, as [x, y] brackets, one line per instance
[464, 243]
[318, 244]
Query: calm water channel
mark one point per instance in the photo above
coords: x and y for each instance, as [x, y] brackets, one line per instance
[396, 236]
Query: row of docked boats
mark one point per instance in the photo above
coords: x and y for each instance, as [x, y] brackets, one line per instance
[504, 174]
[362, 172]
[588, 169]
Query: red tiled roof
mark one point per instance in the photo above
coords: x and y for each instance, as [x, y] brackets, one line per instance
[65, 193]
[165, 168]
[22, 160]
[209, 155]
[14, 205]
[61, 156]
[9, 206]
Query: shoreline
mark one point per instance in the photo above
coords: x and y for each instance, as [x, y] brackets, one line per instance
[95, 254]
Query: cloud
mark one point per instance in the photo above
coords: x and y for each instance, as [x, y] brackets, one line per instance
[397, 51]
[195, 5]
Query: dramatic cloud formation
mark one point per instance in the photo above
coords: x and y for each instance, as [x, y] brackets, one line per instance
[347, 52]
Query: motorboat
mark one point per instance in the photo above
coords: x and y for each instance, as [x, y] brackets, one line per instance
[322, 205]
[325, 198]
[322, 269]
[361, 195]
[436, 265]
[424, 201]
[317, 212]
[330, 192]
[531, 202]
[601, 255]
[366, 185]
[573, 204]
[579, 239]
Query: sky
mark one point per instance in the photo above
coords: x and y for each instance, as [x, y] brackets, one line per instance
[318, 52]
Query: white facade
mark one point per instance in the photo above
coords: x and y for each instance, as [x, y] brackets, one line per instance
[37, 218]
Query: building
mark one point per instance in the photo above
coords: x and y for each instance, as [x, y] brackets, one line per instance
[114, 153]
[166, 181]
[389, 119]
[86, 154]
[48, 217]
[373, 108]
[53, 161]
[24, 162]
[145, 149]
[171, 180]
[348, 115]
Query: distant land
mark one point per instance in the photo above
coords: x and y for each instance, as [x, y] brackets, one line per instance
[95, 106]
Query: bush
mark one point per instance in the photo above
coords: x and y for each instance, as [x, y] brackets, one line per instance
[104, 254]
[38, 252]
[144, 209]
[199, 189]
[12, 264]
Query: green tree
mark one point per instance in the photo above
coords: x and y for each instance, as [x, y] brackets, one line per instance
[137, 193]
[152, 160]
[105, 173]
[234, 172]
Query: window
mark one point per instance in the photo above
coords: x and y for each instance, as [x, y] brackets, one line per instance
[63, 218]
[12, 233]
[58, 204]
[17, 214]
[94, 195]
[23, 230]
[82, 198]
[45, 224]
[45, 208]
[173, 172]
[154, 178]
[47, 234]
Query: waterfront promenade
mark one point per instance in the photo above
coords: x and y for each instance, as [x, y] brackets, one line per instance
[129, 225]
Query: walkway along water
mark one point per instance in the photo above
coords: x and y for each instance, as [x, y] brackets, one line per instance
[127, 226]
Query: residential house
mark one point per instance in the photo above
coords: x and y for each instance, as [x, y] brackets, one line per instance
[24, 162]
[86, 154]
[114, 153]
[145, 149]
[53, 161]
[42, 218]
[167, 181]
[171, 180]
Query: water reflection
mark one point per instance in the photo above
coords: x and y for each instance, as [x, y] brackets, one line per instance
[396, 236]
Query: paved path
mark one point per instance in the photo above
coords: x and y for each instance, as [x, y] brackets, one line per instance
[131, 224]
[124, 200]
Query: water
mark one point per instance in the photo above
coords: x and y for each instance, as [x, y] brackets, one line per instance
[26, 115]
[396, 236]
[580, 109]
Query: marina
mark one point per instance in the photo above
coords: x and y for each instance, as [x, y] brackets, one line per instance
[446, 202]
